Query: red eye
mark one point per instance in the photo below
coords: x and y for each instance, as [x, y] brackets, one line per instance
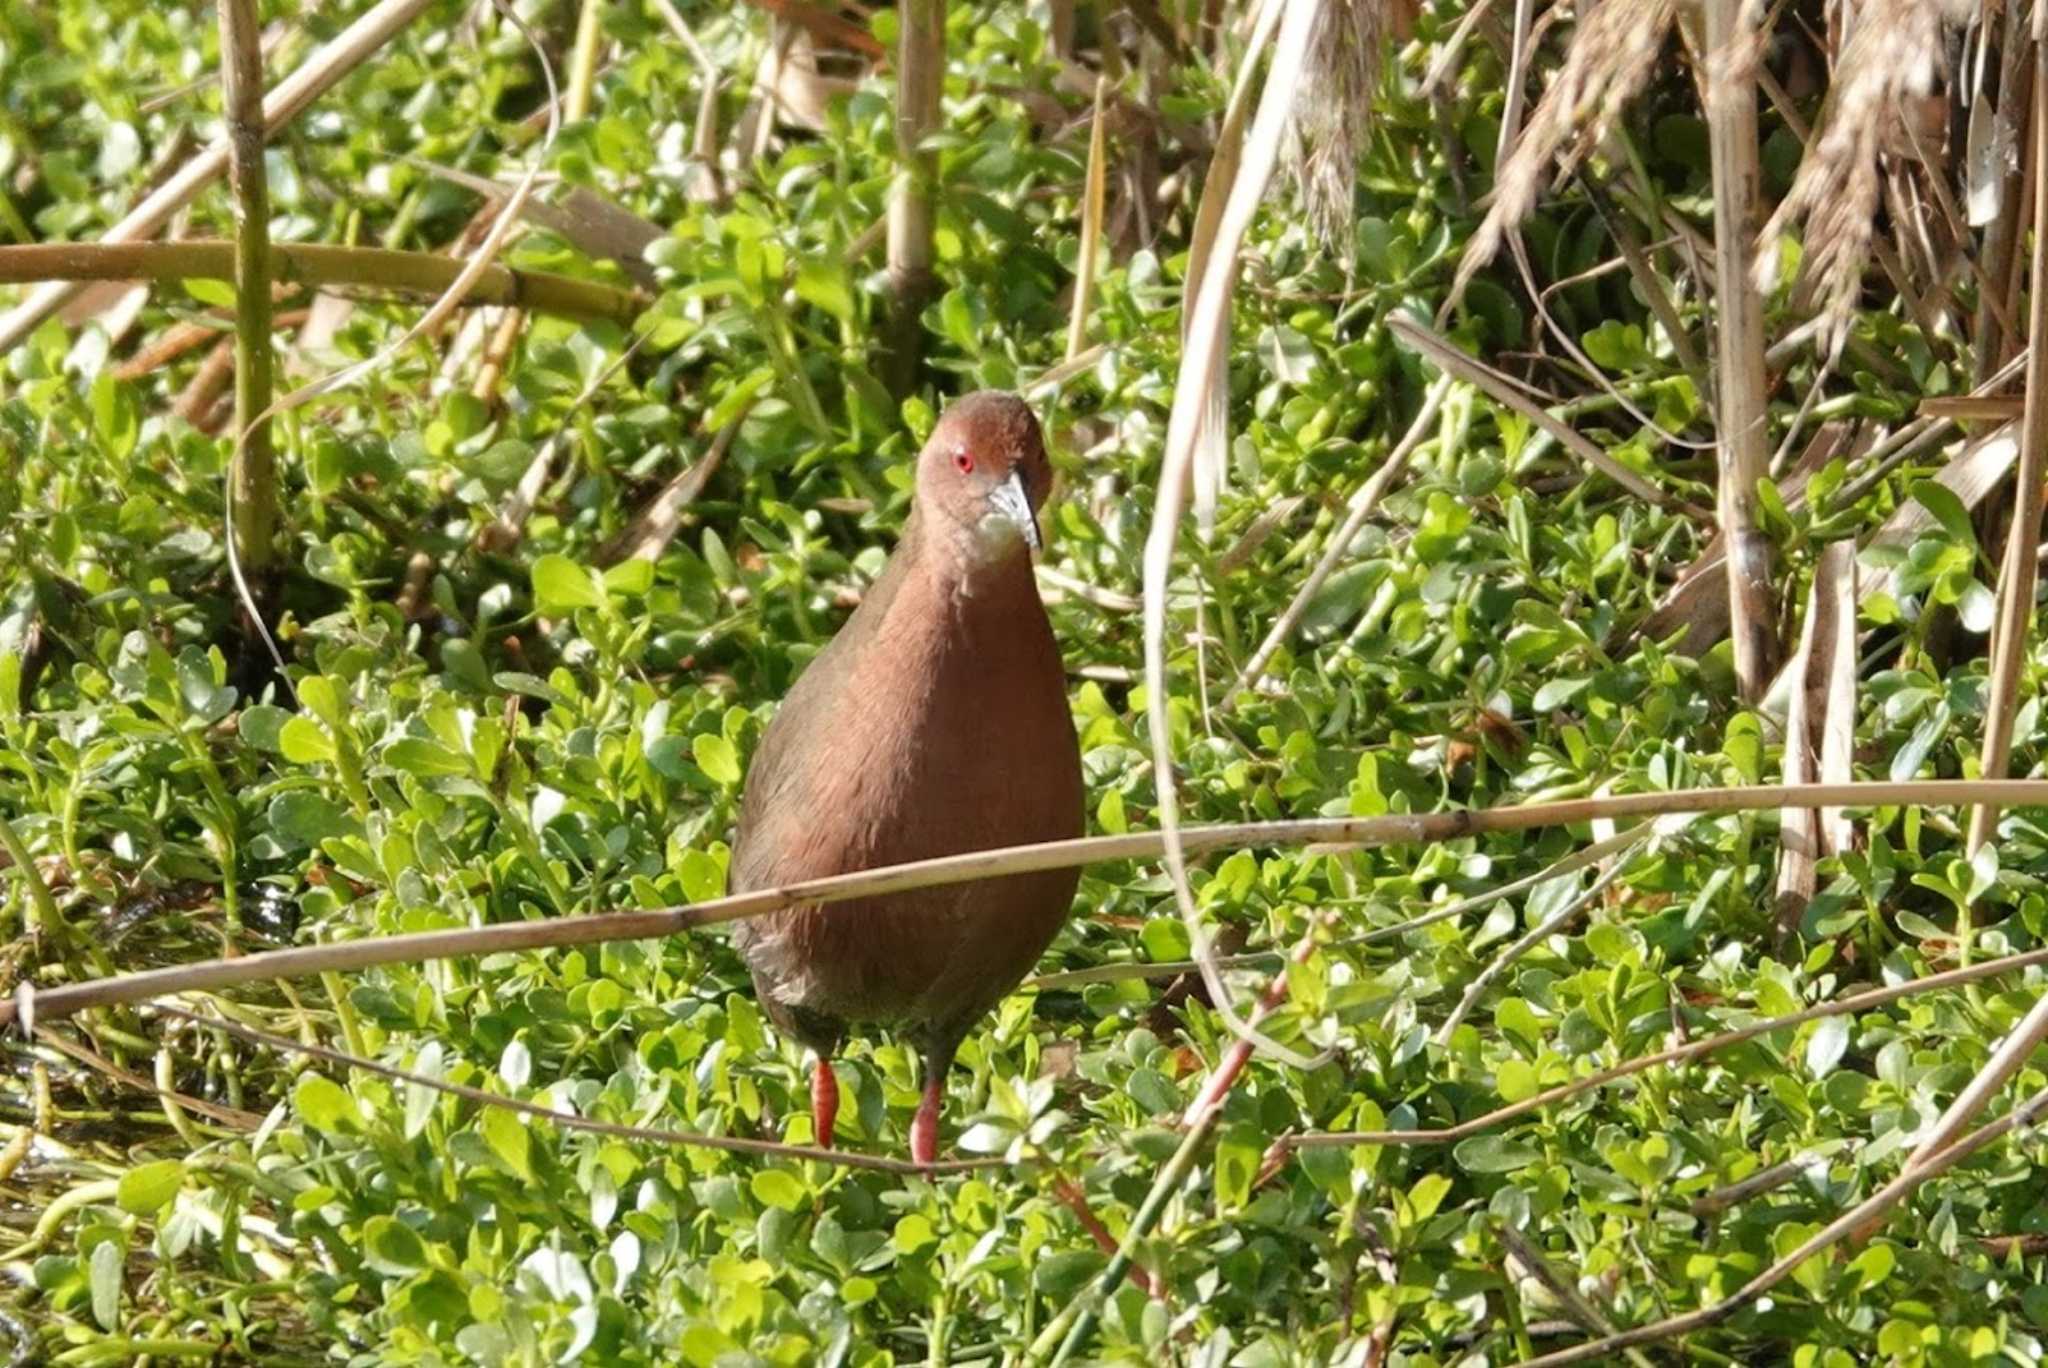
[963, 463]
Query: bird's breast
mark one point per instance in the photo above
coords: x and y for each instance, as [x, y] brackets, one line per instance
[913, 747]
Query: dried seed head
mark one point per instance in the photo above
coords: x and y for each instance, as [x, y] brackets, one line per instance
[1891, 60]
[1332, 113]
[1611, 59]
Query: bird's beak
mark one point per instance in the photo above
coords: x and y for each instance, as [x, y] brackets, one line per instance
[1011, 501]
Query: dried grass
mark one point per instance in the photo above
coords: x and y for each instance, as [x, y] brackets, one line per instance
[1611, 59]
[1893, 55]
[1332, 115]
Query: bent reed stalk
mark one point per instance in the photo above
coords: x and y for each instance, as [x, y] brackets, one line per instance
[1394, 829]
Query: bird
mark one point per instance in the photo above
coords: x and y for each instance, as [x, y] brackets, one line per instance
[935, 722]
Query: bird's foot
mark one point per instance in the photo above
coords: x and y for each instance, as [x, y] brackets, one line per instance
[824, 1101]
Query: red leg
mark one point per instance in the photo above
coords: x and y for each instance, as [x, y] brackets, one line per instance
[824, 1101]
[924, 1129]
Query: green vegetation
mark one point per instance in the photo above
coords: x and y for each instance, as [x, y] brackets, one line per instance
[497, 713]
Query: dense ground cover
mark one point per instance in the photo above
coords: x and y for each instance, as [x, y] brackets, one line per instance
[487, 728]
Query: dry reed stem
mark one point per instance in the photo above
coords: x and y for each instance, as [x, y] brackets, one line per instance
[1812, 675]
[232, 1117]
[1563, 1289]
[1994, 179]
[315, 265]
[1577, 860]
[1071, 1328]
[1207, 465]
[299, 962]
[1521, 946]
[466, 281]
[1094, 191]
[920, 82]
[504, 532]
[1677, 1054]
[348, 50]
[1766, 1180]
[1196, 402]
[1730, 80]
[656, 525]
[2015, 612]
[2020, 573]
[255, 474]
[1835, 598]
[703, 185]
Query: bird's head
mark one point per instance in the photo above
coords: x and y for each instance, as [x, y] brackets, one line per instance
[984, 473]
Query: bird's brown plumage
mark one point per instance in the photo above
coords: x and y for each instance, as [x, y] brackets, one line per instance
[935, 722]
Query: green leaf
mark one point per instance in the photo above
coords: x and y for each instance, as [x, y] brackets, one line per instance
[419, 1099]
[108, 1256]
[913, 1233]
[1328, 1167]
[319, 696]
[1983, 871]
[778, 1188]
[1165, 939]
[560, 585]
[702, 877]
[1826, 1046]
[1494, 1154]
[392, 1247]
[304, 741]
[506, 1134]
[822, 282]
[1516, 1079]
[1615, 345]
[427, 759]
[262, 726]
[1948, 510]
[1555, 693]
[1424, 1198]
[716, 757]
[1977, 607]
[218, 293]
[304, 818]
[1238, 1153]
[116, 417]
[1911, 756]
[1109, 814]
[322, 1104]
[738, 399]
[632, 578]
[1874, 1265]
[145, 1190]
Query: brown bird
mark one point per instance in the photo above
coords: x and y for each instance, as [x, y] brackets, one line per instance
[935, 723]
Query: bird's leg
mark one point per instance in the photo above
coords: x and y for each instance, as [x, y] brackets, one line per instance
[924, 1127]
[824, 1100]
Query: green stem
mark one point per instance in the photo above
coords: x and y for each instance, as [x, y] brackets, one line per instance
[49, 918]
[345, 1011]
[936, 1354]
[1078, 1321]
[223, 824]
